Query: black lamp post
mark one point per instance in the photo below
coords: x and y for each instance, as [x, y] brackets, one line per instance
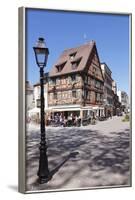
[41, 54]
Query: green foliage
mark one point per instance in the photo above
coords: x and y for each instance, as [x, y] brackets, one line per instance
[126, 118]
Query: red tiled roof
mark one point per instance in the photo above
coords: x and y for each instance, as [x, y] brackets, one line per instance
[82, 54]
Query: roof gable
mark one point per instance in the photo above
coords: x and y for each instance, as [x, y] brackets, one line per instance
[70, 57]
[93, 65]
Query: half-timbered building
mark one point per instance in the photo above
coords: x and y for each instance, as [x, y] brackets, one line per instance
[76, 82]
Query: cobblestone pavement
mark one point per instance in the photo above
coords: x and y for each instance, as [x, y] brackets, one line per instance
[81, 157]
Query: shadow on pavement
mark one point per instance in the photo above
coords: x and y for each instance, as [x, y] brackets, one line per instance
[71, 155]
[102, 160]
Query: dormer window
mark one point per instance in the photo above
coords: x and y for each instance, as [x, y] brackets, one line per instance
[72, 55]
[75, 63]
[60, 67]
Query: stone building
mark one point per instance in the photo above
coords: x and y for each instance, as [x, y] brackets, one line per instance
[76, 82]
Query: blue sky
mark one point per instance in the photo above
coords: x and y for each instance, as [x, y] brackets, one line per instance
[63, 30]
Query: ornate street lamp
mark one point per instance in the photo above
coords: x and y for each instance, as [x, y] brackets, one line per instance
[41, 54]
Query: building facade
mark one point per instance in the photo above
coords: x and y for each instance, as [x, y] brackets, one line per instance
[34, 113]
[124, 100]
[29, 96]
[76, 82]
[114, 87]
[116, 103]
[108, 92]
[37, 94]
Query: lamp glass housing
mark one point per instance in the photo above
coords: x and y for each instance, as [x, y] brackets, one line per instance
[41, 53]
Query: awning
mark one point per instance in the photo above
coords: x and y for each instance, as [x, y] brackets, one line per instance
[65, 109]
[86, 108]
[98, 108]
[62, 109]
[71, 109]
